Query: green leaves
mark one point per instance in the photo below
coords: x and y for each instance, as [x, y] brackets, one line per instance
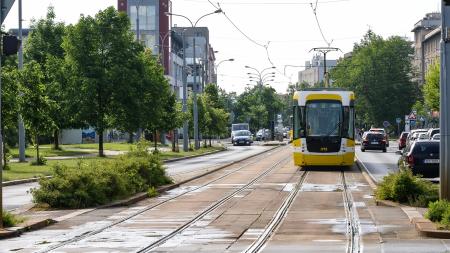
[431, 88]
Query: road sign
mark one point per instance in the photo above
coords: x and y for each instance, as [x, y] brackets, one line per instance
[386, 123]
[4, 8]
[398, 120]
[412, 122]
[412, 116]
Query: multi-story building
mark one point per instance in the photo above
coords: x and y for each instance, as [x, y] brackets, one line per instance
[427, 33]
[314, 70]
[204, 56]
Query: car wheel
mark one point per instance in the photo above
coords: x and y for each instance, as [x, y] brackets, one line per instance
[363, 150]
[384, 150]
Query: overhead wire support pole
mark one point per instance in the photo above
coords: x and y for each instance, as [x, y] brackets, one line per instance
[444, 165]
[325, 51]
[20, 120]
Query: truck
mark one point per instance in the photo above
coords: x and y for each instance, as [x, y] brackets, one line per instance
[238, 127]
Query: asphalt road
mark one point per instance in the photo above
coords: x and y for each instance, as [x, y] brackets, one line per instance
[379, 164]
[18, 195]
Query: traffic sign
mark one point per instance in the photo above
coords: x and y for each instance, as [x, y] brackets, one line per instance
[412, 116]
[398, 120]
[5, 6]
[386, 123]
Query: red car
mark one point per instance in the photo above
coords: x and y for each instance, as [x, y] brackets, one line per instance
[402, 140]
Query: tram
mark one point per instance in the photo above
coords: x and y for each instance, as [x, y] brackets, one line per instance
[323, 127]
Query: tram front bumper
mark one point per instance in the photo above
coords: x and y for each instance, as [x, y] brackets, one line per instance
[336, 159]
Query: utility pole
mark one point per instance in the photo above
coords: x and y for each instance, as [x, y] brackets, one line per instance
[194, 90]
[186, 122]
[20, 120]
[325, 51]
[445, 96]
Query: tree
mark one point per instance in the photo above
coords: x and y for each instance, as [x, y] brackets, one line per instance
[96, 50]
[44, 45]
[217, 125]
[379, 72]
[10, 107]
[431, 88]
[35, 105]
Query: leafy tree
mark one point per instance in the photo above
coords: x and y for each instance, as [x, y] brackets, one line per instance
[379, 73]
[44, 45]
[35, 105]
[218, 122]
[431, 87]
[10, 106]
[96, 49]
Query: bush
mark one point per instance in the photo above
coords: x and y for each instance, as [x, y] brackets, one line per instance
[97, 183]
[404, 187]
[152, 192]
[10, 220]
[437, 209]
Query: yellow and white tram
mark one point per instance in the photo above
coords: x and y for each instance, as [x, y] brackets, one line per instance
[324, 127]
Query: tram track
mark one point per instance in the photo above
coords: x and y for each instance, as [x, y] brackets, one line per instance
[353, 224]
[279, 216]
[150, 207]
[211, 208]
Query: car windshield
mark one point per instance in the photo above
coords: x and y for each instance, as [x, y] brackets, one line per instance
[242, 133]
[323, 118]
[426, 147]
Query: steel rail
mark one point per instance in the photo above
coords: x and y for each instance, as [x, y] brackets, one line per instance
[279, 216]
[211, 208]
[103, 228]
[353, 224]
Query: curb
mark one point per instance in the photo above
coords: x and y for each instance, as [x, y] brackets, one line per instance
[422, 225]
[366, 174]
[17, 231]
[35, 179]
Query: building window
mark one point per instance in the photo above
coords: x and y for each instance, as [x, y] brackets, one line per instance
[147, 17]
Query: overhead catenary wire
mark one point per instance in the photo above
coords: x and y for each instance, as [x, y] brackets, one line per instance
[314, 9]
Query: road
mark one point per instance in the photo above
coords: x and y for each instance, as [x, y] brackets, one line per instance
[377, 163]
[263, 204]
[19, 195]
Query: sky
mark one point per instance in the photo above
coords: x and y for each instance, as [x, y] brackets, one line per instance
[286, 28]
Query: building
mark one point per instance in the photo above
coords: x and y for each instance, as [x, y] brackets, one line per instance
[204, 55]
[314, 70]
[427, 35]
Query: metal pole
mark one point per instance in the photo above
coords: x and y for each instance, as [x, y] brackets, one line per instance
[1, 146]
[20, 120]
[186, 122]
[138, 32]
[325, 69]
[445, 112]
[197, 144]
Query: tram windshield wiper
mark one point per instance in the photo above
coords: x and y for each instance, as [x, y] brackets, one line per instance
[336, 127]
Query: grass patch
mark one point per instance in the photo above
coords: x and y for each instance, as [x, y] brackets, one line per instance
[404, 187]
[439, 212]
[47, 151]
[26, 170]
[152, 192]
[11, 220]
[115, 146]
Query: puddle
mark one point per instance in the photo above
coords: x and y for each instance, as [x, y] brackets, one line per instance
[321, 188]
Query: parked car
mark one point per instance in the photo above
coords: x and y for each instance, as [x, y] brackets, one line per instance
[262, 134]
[373, 141]
[436, 137]
[422, 157]
[413, 135]
[402, 140]
[242, 137]
[381, 130]
[423, 136]
[432, 131]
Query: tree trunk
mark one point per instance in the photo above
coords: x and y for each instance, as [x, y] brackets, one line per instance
[100, 143]
[38, 161]
[173, 141]
[130, 137]
[56, 140]
[4, 148]
[155, 139]
[210, 142]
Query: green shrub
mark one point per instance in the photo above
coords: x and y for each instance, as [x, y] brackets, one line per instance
[437, 209]
[40, 161]
[152, 192]
[97, 183]
[10, 220]
[404, 187]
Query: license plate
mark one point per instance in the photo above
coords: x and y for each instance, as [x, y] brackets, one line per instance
[431, 161]
[374, 142]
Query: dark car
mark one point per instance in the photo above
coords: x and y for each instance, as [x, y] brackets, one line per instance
[422, 157]
[242, 137]
[432, 131]
[373, 141]
[402, 140]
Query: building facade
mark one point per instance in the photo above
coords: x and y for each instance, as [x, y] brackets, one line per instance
[314, 70]
[427, 33]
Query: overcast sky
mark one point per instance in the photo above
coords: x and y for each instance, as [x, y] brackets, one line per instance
[288, 26]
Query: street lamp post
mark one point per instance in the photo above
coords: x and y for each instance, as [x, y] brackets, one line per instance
[196, 139]
[217, 68]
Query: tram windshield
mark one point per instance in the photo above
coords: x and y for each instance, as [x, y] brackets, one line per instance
[323, 118]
